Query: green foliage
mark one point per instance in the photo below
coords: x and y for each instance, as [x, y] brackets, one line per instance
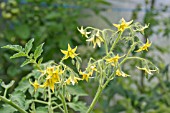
[78, 106]
[25, 52]
[18, 97]
[137, 94]
[6, 108]
[52, 21]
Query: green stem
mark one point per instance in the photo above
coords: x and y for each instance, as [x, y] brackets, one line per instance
[105, 43]
[39, 101]
[63, 100]
[116, 41]
[99, 91]
[5, 92]
[12, 104]
[64, 103]
[58, 106]
[49, 101]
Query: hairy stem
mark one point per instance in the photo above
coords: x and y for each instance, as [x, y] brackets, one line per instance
[5, 92]
[49, 101]
[116, 41]
[63, 101]
[12, 104]
[39, 101]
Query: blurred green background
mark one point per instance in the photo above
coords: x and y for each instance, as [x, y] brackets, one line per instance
[55, 22]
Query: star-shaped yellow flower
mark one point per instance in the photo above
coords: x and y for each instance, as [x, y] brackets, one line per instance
[35, 85]
[96, 39]
[114, 60]
[70, 52]
[144, 47]
[72, 80]
[83, 32]
[85, 75]
[52, 77]
[148, 71]
[123, 25]
[120, 73]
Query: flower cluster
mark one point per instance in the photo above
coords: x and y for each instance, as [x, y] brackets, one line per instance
[64, 75]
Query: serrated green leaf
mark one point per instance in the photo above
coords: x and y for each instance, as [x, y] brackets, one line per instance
[13, 47]
[28, 46]
[23, 85]
[38, 51]
[41, 110]
[18, 98]
[78, 106]
[20, 54]
[6, 108]
[76, 90]
[8, 85]
[27, 104]
[27, 61]
[40, 61]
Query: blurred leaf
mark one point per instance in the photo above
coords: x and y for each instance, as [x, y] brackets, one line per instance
[6, 108]
[18, 97]
[161, 49]
[76, 90]
[27, 104]
[104, 2]
[52, 15]
[41, 110]
[22, 31]
[78, 106]
[23, 85]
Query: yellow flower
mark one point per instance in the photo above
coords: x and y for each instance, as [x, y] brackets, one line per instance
[49, 82]
[120, 73]
[143, 28]
[93, 67]
[96, 39]
[83, 32]
[35, 84]
[70, 52]
[148, 71]
[144, 47]
[114, 60]
[124, 74]
[85, 75]
[72, 80]
[49, 70]
[121, 27]
[52, 78]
